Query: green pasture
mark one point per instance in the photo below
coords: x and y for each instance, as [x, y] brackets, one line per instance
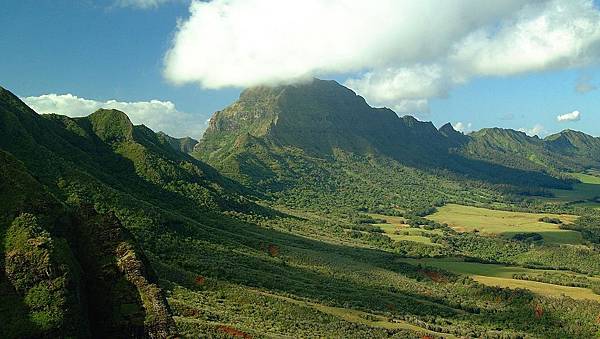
[505, 223]
[502, 276]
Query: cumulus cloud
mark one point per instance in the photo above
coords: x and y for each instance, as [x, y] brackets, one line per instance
[155, 114]
[573, 116]
[248, 42]
[401, 88]
[584, 84]
[463, 127]
[537, 129]
[401, 53]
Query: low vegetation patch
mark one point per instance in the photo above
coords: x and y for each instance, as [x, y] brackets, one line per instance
[507, 223]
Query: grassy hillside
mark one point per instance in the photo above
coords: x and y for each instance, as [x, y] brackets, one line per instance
[63, 275]
[289, 251]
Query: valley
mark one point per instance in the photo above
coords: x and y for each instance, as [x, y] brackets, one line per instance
[259, 230]
[584, 194]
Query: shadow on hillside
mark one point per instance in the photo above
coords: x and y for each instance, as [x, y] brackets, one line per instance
[14, 313]
[446, 163]
[114, 304]
[237, 253]
[100, 160]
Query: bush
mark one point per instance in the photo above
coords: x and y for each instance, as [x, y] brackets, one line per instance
[550, 220]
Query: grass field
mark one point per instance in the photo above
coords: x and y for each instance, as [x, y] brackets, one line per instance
[583, 193]
[588, 178]
[397, 229]
[505, 223]
[500, 275]
[356, 316]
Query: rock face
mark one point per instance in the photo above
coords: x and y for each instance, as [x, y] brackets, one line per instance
[123, 296]
[67, 269]
[70, 272]
[319, 117]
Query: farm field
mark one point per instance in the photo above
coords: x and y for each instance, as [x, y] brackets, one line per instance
[505, 223]
[502, 276]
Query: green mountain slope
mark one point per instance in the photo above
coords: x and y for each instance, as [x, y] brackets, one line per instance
[567, 151]
[81, 172]
[70, 272]
[185, 145]
[283, 138]
[131, 218]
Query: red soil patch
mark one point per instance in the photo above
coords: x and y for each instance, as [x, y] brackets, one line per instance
[200, 280]
[234, 332]
[538, 312]
[273, 250]
[435, 276]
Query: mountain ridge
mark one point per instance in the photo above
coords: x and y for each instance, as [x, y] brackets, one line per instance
[322, 118]
[321, 115]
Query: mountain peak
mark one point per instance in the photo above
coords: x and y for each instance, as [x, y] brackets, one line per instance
[261, 110]
[317, 116]
[447, 127]
[111, 125]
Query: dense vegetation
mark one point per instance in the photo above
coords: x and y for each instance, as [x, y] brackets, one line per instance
[285, 244]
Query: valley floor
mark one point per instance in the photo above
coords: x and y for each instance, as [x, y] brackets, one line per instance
[341, 282]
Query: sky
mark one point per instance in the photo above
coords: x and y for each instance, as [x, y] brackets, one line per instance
[169, 64]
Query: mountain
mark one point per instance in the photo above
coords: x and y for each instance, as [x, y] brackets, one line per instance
[454, 137]
[108, 229]
[318, 117]
[81, 200]
[185, 144]
[273, 136]
[321, 117]
[567, 151]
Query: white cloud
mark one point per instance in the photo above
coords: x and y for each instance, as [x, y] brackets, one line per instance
[404, 89]
[155, 114]
[573, 116]
[463, 127]
[537, 129]
[248, 42]
[405, 52]
[554, 35]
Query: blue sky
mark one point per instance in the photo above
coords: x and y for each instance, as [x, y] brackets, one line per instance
[104, 50]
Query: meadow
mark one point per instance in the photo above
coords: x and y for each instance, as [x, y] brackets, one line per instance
[502, 276]
[505, 223]
[584, 194]
[397, 229]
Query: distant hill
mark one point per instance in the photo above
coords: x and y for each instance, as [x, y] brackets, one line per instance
[185, 144]
[567, 151]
